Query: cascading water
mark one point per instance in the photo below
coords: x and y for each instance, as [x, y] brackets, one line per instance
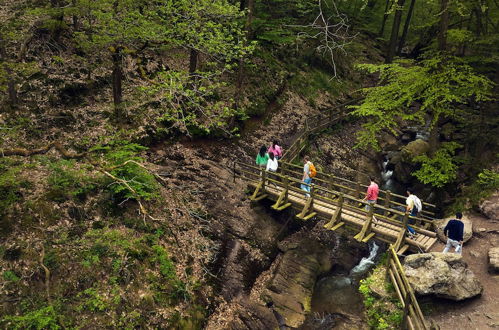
[337, 295]
[386, 176]
[365, 263]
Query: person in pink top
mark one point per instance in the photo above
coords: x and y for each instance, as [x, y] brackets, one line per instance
[276, 150]
[372, 194]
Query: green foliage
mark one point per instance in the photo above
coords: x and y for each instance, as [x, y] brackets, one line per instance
[381, 313]
[439, 169]
[10, 184]
[437, 83]
[488, 179]
[66, 180]
[9, 275]
[123, 159]
[93, 301]
[191, 106]
[43, 318]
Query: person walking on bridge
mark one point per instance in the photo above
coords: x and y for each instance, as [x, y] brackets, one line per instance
[414, 206]
[275, 149]
[371, 194]
[309, 172]
[262, 157]
[454, 230]
[272, 163]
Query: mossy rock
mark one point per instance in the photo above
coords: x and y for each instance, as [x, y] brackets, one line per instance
[415, 148]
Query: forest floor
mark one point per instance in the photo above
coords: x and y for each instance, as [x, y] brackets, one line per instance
[480, 312]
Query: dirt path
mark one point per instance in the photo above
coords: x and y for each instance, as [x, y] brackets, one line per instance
[481, 312]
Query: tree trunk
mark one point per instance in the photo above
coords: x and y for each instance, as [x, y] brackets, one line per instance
[240, 70]
[11, 84]
[443, 25]
[406, 26]
[371, 4]
[117, 76]
[249, 20]
[395, 31]
[193, 61]
[59, 17]
[385, 17]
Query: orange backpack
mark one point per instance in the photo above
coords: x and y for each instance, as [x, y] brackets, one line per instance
[313, 171]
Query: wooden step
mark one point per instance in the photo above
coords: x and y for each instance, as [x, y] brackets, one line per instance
[338, 225]
[403, 249]
[258, 198]
[368, 237]
[282, 207]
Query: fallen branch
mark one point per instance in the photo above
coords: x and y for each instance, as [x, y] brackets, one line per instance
[40, 151]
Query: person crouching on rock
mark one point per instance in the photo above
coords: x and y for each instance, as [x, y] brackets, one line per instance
[454, 231]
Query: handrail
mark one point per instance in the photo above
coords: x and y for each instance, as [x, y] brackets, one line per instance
[320, 173]
[413, 316]
[320, 189]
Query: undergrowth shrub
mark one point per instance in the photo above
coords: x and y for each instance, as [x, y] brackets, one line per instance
[43, 318]
[67, 180]
[122, 158]
[382, 312]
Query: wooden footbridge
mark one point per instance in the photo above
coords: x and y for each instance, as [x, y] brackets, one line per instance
[339, 202]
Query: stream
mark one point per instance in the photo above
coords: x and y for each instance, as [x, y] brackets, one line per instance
[338, 295]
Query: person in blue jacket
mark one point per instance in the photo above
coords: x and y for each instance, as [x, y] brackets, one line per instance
[454, 232]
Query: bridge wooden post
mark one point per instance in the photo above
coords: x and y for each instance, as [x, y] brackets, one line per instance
[282, 200]
[406, 311]
[357, 188]
[388, 197]
[401, 235]
[331, 186]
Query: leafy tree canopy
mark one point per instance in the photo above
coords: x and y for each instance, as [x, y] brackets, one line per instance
[413, 91]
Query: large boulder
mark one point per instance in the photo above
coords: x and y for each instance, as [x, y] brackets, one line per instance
[468, 228]
[494, 260]
[490, 206]
[444, 275]
[415, 148]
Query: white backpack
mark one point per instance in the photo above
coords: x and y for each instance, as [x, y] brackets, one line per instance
[418, 203]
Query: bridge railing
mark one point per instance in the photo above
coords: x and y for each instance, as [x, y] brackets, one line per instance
[316, 124]
[333, 184]
[413, 316]
[288, 183]
[358, 189]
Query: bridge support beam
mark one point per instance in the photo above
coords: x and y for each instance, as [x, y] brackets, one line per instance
[260, 188]
[366, 228]
[309, 206]
[335, 219]
[282, 200]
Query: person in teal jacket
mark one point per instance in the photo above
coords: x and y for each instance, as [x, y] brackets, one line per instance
[262, 158]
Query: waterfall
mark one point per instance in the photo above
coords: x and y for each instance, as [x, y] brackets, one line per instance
[365, 263]
[386, 175]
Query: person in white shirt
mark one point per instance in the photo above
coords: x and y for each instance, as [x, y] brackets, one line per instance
[272, 163]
